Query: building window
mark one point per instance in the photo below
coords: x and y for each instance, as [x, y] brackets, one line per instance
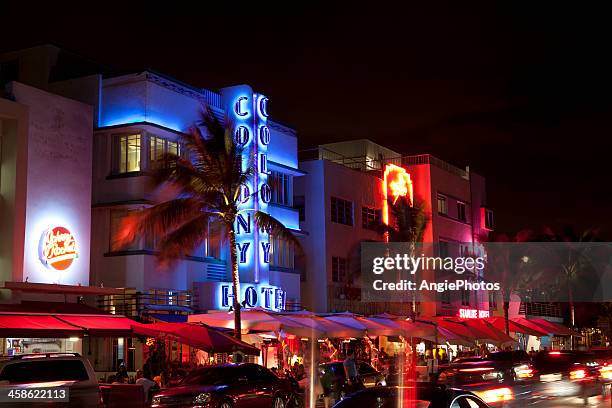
[127, 153]
[117, 217]
[443, 249]
[442, 205]
[159, 152]
[341, 211]
[280, 183]
[465, 297]
[492, 300]
[281, 253]
[339, 267]
[445, 297]
[488, 219]
[370, 218]
[461, 211]
[299, 203]
[213, 241]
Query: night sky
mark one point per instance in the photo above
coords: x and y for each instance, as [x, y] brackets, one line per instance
[520, 92]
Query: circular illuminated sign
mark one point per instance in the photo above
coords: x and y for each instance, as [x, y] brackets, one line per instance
[57, 249]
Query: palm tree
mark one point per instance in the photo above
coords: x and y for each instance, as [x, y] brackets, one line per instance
[507, 263]
[409, 223]
[572, 260]
[206, 185]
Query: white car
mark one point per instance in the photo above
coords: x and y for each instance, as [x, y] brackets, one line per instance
[23, 378]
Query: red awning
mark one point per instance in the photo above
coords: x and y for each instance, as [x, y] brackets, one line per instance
[35, 325]
[196, 335]
[101, 325]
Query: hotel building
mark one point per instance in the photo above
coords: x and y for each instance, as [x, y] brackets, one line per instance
[342, 204]
[78, 150]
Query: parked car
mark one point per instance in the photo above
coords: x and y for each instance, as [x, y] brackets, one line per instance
[566, 374]
[240, 385]
[56, 370]
[334, 381]
[419, 396]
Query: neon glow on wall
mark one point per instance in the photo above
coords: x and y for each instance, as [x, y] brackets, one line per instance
[396, 184]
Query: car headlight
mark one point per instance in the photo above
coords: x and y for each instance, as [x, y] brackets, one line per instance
[202, 398]
[155, 400]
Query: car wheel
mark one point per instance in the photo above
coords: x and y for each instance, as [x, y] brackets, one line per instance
[226, 404]
[278, 403]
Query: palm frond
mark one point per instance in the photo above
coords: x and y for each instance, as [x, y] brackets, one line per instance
[156, 220]
[266, 222]
[182, 240]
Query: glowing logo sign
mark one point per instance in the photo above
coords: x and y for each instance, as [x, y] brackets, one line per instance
[473, 313]
[57, 248]
[396, 183]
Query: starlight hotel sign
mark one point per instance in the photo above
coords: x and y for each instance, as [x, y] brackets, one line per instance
[57, 248]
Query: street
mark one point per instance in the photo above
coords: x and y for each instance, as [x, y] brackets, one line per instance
[594, 402]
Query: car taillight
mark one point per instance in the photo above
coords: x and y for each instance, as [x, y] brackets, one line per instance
[496, 395]
[577, 374]
[606, 372]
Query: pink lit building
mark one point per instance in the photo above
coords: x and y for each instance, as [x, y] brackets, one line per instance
[341, 204]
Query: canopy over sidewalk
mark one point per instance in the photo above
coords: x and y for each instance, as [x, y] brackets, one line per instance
[15, 324]
[196, 335]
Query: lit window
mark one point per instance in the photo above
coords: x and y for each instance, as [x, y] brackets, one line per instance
[160, 151]
[339, 267]
[341, 211]
[442, 205]
[461, 211]
[128, 151]
[281, 253]
[370, 218]
[281, 190]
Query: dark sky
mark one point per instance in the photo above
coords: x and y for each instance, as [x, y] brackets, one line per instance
[521, 92]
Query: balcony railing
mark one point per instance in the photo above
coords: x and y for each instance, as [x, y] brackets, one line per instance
[540, 309]
[368, 164]
[132, 303]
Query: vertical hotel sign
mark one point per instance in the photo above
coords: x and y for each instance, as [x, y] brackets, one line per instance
[248, 115]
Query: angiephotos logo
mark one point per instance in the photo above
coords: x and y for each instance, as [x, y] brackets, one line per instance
[412, 265]
[535, 271]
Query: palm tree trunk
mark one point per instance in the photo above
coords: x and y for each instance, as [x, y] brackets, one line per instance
[507, 316]
[235, 281]
[572, 314]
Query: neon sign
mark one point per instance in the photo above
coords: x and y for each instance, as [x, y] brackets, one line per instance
[396, 183]
[473, 313]
[57, 248]
[248, 113]
[266, 296]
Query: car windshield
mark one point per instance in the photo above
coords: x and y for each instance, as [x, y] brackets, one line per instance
[211, 376]
[30, 371]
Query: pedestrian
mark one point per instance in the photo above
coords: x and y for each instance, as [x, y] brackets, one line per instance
[146, 383]
[350, 371]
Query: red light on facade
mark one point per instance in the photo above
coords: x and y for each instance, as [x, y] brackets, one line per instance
[57, 249]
